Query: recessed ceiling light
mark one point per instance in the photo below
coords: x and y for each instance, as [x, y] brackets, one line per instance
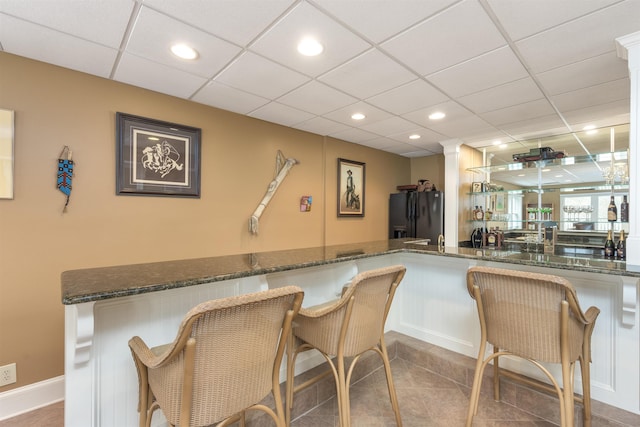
[546, 170]
[496, 142]
[183, 51]
[414, 136]
[309, 46]
[437, 115]
[521, 174]
[590, 129]
[358, 116]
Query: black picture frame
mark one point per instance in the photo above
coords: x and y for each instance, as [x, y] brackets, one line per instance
[156, 158]
[351, 188]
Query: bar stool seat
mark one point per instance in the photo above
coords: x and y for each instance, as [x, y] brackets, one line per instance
[348, 327]
[535, 317]
[224, 360]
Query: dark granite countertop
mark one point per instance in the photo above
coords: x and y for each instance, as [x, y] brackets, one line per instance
[93, 284]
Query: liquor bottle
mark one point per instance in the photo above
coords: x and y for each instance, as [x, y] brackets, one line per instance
[476, 238]
[609, 247]
[621, 248]
[480, 214]
[612, 211]
[624, 210]
[492, 238]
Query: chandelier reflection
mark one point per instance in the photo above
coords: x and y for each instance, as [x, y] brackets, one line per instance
[617, 172]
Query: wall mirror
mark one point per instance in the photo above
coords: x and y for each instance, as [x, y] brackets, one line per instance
[6, 154]
[588, 156]
[570, 184]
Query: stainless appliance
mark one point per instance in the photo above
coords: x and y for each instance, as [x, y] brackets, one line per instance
[416, 214]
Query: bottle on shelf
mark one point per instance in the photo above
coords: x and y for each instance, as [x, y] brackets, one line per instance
[492, 238]
[612, 211]
[609, 246]
[624, 210]
[479, 214]
[621, 248]
[474, 213]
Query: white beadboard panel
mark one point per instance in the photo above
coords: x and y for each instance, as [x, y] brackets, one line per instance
[440, 314]
[155, 318]
[320, 284]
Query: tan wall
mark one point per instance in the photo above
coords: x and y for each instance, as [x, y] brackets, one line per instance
[56, 107]
[431, 168]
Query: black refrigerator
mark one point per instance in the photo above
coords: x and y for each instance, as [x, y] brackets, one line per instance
[416, 214]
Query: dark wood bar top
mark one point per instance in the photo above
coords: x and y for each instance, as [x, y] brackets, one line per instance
[94, 284]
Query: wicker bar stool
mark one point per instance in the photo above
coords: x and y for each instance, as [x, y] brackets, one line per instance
[224, 360]
[535, 317]
[348, 327]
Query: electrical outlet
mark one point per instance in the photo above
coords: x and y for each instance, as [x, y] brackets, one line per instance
[7, 374]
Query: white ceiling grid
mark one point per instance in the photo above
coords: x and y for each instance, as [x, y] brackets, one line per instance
[499, 69]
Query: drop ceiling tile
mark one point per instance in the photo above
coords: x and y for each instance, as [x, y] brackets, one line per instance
[135, 71]
[482, 72]
[515, 113]
[462, 127]
[279, 42]
[580, 39]
[594, 95]
[238, 21]
[257, 75]
[281, 114]
[321, 126]
[316, 98]
[538, 127]
[155, 33]
[427, 136]
[452, 110]
[368, 74]
[453, 36]
[380, 20]
[380, 143]
[343, 115]
[408, 97]
[221, 96]
[617, 113]
[505, 95]
[389, 126]
[524, 18]
[488, 139]
[354, 135]
[431, 147]
[418, 154]
[407, 150]
[100, 21]
[46, 45]
[582, 74]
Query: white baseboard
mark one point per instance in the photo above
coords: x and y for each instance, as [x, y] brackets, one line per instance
[33, 396]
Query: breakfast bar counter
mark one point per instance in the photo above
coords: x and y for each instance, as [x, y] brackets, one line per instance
[106, 306]
[95, 284]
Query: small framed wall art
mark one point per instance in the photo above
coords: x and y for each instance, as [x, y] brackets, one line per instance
[156, 158]
[351, 180]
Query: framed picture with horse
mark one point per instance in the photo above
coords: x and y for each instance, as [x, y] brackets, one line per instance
[351, 186]
[156, 158]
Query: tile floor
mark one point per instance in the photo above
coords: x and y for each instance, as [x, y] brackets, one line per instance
[433, 387]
